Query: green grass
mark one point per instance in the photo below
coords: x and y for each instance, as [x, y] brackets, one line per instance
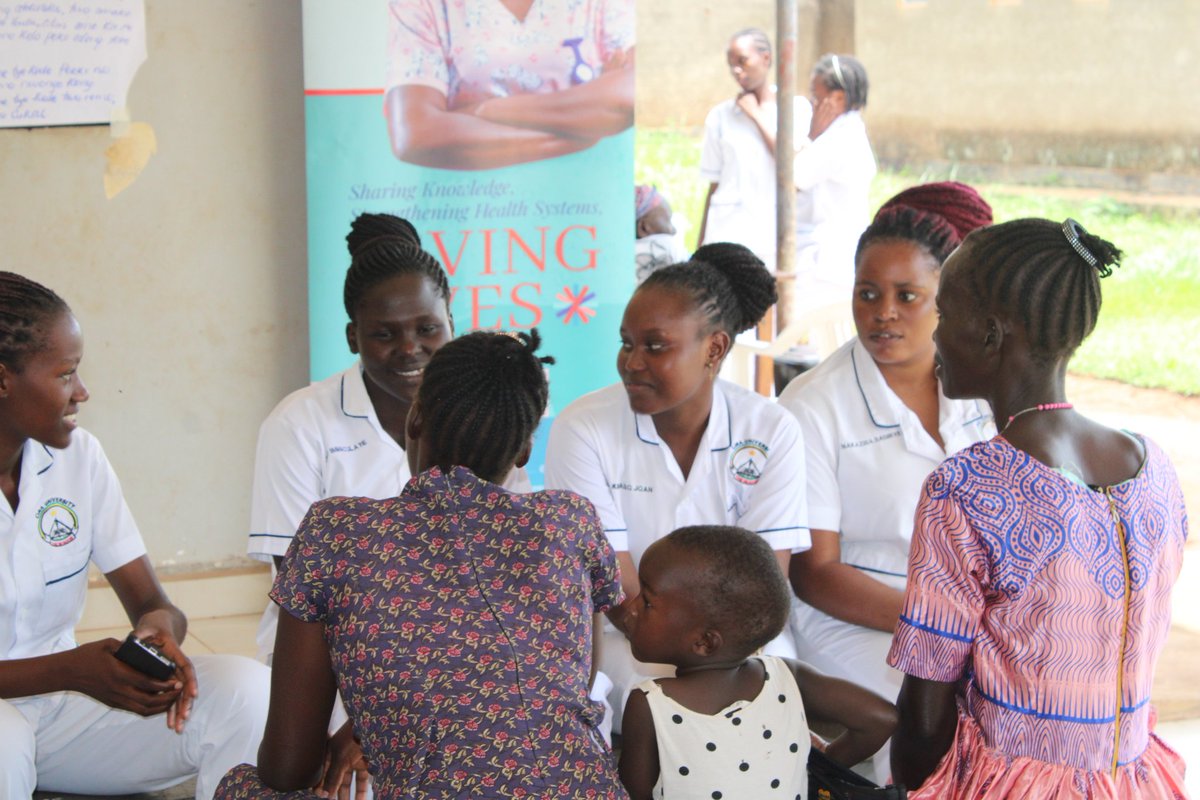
[1149, 329]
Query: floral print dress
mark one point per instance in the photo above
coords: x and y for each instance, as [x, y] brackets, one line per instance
[459, 624]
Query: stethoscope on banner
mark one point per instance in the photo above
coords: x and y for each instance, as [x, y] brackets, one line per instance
[581, 72]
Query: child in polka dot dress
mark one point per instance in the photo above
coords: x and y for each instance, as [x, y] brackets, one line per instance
[729, 724]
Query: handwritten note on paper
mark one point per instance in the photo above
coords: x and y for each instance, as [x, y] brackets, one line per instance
[67, 63]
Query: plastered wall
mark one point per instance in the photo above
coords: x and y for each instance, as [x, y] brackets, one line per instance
[1110, 84]
[190, 284]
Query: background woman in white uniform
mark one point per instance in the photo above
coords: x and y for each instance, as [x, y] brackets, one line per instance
[671, 445]
[833, 172]
[738, 159]
[75, 718]
[875, 423]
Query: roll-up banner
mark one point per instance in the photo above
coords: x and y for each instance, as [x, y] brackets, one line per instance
[502, 130]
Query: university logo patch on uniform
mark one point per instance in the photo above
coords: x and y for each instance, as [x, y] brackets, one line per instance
[57, 522]
[747, 462]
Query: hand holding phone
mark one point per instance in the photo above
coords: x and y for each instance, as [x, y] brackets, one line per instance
[145, 658]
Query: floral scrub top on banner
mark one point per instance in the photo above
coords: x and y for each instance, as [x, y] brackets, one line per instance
[459, 618]
[471, 50]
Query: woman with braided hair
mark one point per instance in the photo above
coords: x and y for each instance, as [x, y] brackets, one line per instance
[455, 618]
[78, 718]
[875, 423]
[1039, 582]
[738, 156]
[345, 435]
[671, 444]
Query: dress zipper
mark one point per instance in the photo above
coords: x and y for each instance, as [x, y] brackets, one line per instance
[1112, 507]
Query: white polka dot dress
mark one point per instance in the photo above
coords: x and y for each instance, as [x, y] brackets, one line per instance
[751, 749]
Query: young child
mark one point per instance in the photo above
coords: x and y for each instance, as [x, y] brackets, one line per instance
[728, 724]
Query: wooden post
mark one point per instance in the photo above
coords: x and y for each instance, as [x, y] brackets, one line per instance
[785, 186]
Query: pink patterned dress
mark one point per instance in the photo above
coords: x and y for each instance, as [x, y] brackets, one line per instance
[458, 617]
[1048, 602]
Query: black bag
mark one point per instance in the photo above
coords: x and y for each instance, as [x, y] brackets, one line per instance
[828, 780]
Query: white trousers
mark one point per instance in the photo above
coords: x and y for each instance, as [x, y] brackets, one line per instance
[852, 653]
[69, 742]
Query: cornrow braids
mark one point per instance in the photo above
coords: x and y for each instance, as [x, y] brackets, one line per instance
[846, 73]
[901, 223]
[386, 257]
[959, 204]
[481, 398]
[1029, 270]
[25, 309]
[740, 585]
[758, 39]
[728, 284]
[369, 226]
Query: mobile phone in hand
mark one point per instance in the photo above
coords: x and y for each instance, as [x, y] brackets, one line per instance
[145, 658]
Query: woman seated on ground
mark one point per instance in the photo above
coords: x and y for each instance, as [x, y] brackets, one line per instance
[1043, 559]
[76, 718]
[456, 619]
[875, 423]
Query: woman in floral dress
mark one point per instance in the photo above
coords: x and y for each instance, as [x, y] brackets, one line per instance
[455, 619]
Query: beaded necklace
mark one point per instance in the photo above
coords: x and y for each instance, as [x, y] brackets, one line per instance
[1038, 407]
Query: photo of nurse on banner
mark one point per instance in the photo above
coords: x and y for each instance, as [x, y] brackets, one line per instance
[478, 84]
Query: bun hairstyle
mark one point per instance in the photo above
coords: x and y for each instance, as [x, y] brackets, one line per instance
[371, 226]
[846, 73]
[1044, 274]
[738, 585]
[383, 246]
[937, 216]
[727, 283]
[25, 309]
[481, 398]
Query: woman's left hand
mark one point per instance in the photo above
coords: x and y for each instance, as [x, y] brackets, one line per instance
[344, 761]
[164, 640]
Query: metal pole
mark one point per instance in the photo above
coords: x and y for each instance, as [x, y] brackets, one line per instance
[785, 186]
[785, 192]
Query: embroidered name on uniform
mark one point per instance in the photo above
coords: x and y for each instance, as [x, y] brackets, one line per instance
[348, 448]
[57, 522]
[748, 461]
[629, 487]
[883, 437]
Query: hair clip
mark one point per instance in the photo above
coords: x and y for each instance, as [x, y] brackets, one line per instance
[1071, 229]
[837, 70]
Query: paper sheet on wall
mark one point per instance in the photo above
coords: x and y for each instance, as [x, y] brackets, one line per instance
[69, 62]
